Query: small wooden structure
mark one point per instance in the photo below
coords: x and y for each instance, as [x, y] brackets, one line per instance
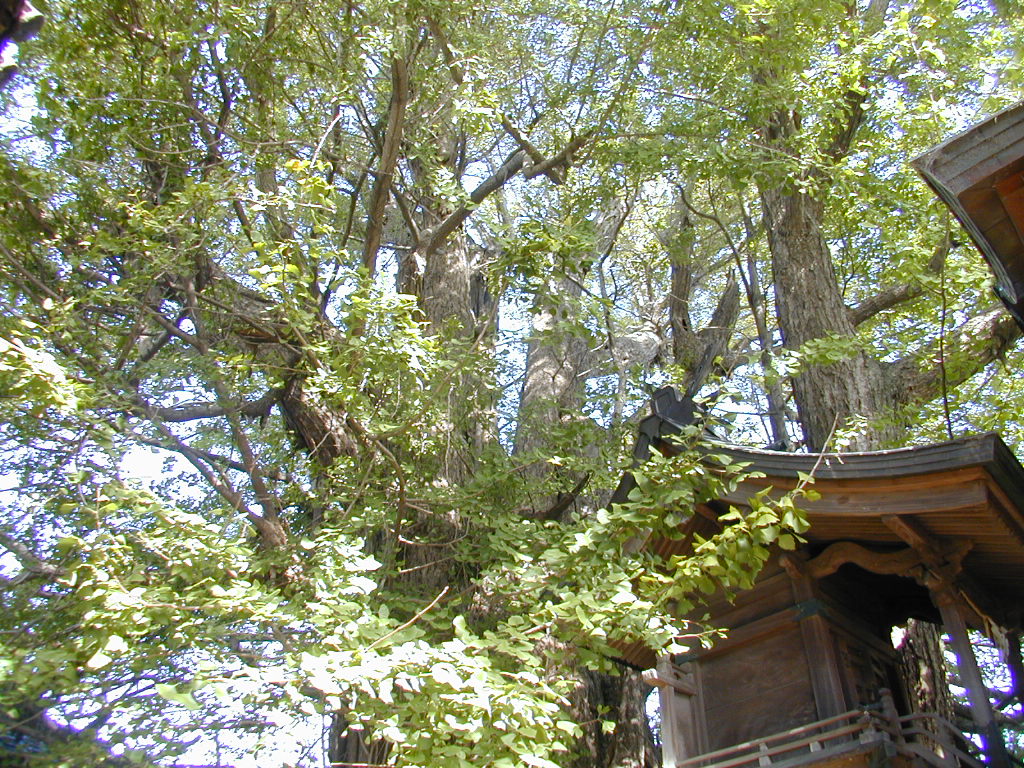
[807, 673]
[979, 174]
[19, 21]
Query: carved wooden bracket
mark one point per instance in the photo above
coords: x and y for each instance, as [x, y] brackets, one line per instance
[943, 558]
[903, 562]
[933, 562]
[927, 559]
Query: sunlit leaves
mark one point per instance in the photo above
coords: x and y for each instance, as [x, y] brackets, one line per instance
[32, 376]
[185, 229]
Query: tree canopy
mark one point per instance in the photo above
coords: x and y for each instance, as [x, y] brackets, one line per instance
[382, 285]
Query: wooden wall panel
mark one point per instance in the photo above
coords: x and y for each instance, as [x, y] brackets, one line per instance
[757, 690]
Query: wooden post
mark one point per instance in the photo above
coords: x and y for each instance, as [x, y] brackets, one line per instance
[819, 647]
[970, 675]
[893, 716]
[677, 694]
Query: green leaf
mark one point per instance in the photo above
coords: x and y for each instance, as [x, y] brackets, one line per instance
[173, 695]
[115, 644]
[98, 660]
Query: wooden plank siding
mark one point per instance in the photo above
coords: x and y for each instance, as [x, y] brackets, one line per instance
[757, 689]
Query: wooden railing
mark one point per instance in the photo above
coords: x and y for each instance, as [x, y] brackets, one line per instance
[938, 742]
[924, 736]
[833, 735]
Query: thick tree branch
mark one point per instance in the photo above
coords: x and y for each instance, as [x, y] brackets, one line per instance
[388, 160]
[890, 297]
[887, 298]
[322, 429]
[213, 458]
[271, 532]
[181, 413]
[965, 718]
[716, 343]
[33, 566]
[684, 340]
[218, 481]
[535, 155]
[972, 346]
[512, 165]
[855, 99]
[715, 337]
[457, 73]
[268, 501]
[562, 158]
[436, 237]
[173, 329]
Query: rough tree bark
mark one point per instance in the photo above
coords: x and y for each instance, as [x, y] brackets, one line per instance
[556, 370]
[809, 306]
[922, 670]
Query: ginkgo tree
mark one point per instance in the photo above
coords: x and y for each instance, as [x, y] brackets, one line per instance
[382, 284]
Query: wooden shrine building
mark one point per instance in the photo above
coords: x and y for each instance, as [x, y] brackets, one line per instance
[979, 175]
[807, 673]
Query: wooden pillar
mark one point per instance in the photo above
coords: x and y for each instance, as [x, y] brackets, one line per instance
[822, 660]
[970, 675]
[892, 715]
[678, 694]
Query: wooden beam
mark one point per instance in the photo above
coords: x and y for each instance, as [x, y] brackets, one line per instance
[920, 539]
[661, 677]
[977, 693]
[899, 563]
[681, 719]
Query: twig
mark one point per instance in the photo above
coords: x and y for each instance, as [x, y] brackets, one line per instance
[213, 458]
[411, 621]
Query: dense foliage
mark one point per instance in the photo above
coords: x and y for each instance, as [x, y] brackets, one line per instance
[381, 286]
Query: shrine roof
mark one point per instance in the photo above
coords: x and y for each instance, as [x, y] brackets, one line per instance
[966, 493]
[979, 175]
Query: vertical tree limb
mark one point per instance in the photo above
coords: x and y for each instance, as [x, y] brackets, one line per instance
[388, 161]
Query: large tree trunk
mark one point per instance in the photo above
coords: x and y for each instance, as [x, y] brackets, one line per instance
[557, 364]
[620, 699]
[810, 307]
[923, 673]
[557, 358]
[552, 382]
[848, 384]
